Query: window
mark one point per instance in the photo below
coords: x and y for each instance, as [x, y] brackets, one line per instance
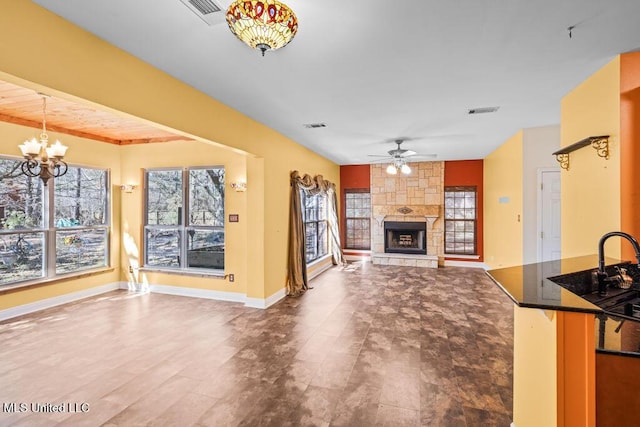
[460, 220]
[357, 219]
[80, 214]
[314, 216]
[184, 221]
[46, 231]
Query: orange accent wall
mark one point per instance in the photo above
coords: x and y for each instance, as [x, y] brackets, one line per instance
[463, 173]
[352, 177]
[576, 369]
[629, 148]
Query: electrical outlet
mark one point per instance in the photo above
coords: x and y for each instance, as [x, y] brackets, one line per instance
[130, 269]
[232, 277]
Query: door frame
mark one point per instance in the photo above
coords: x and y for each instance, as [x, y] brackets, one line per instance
[539, 172]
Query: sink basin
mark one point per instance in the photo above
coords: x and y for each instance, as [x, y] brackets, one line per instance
[622, 302]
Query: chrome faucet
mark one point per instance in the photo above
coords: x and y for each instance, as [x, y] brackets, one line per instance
[602, 274]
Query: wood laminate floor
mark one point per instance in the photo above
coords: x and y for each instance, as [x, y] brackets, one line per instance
[368, 345]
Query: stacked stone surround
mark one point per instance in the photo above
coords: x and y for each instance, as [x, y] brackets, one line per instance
[416, 197]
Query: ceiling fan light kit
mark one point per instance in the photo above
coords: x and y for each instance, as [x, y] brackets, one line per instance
[398, 157]
[264, 25]
[399, 165]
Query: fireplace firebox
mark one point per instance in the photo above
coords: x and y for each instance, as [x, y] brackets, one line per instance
[405, 237]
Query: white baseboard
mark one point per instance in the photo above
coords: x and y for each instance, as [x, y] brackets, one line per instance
[196, 293]
[352, 257]
[21, 310]
[266, 303]
[209, 294]
[469, 264]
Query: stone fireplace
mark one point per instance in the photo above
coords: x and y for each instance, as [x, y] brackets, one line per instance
[416, 200]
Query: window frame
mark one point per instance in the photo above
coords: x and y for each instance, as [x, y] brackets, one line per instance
[183, 227]
[106, 226]
[347, 218]
[303, 196]
[465, 221]
[49, 232]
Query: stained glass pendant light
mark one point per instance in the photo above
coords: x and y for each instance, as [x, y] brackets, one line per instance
[264, 24]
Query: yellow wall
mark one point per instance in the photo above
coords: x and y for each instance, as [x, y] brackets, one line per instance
[134, 159]
[534, 367]
[503, 204]
[84, 68]
[82, 152]
[591, 186]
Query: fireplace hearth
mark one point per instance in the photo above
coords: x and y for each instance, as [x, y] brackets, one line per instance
[405, 237]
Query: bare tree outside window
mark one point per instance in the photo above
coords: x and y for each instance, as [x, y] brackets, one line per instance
[357, 219]
[314, 216]
[460, 218]
[76, 219]
[81, 201]
[181, 235]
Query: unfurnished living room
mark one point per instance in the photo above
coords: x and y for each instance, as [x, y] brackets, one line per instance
[305, 213]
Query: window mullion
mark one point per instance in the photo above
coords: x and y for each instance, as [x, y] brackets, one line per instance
[50, 234]
[182, 232]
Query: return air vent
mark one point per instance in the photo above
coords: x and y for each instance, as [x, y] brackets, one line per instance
[205, 7]
[483, 110]
[315, 125]
[209, 11]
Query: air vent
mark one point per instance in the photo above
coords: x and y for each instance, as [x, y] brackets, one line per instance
[483, 110]
[205, 7]
[208, 10]
[315, 125]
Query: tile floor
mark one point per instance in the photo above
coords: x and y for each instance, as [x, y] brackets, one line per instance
[368, 345]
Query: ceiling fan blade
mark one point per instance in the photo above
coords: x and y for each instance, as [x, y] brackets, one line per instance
[408, 153]
[380, 155]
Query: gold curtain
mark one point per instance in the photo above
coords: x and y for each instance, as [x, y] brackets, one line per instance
[297, 269]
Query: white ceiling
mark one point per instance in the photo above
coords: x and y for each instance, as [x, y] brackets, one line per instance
[374, 71]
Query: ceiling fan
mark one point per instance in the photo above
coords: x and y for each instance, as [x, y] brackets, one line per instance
[397, 158]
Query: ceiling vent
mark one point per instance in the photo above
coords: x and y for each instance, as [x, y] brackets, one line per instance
[209, 11]
[483, 110]
[315, 125]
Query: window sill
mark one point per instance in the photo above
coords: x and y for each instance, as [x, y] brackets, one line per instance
[45, 282]
[214, 274]
[462, 256]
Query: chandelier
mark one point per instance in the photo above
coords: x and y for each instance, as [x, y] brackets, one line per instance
[40, 159]
[264, 25]
[398, 165]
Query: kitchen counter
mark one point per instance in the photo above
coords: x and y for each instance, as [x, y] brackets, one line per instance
[529, 286]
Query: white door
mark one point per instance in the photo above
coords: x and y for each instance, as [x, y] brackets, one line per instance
[549, 214]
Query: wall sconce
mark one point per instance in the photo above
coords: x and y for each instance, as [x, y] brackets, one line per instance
[128, 188]
[239, 186]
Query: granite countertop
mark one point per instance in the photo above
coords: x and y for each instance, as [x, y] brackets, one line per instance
[529, 286]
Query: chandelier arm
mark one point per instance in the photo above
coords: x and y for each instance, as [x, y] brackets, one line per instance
[30, 168]
[57, 168]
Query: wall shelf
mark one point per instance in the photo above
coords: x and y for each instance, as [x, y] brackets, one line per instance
[599, 143]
